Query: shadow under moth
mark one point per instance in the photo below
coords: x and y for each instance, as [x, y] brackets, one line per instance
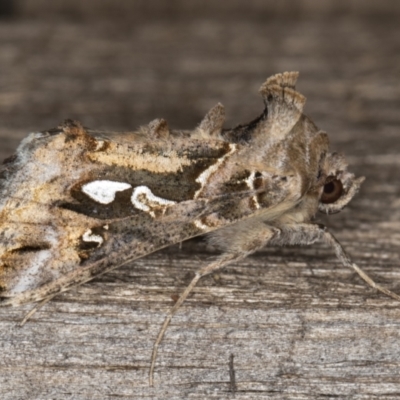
[76, 203]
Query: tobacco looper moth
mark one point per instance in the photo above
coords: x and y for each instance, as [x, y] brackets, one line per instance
[75, 203]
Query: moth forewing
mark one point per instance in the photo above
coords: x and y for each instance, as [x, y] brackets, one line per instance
[75, 203]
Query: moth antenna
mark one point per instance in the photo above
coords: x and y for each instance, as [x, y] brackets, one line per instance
[213, 121]
[346, 261]
[221, 262]
[158, 128]
[285, 79]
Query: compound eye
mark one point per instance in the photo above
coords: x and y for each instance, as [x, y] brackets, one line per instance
[333, 189]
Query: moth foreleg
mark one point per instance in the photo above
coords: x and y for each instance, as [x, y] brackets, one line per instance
[345, 260]
[305, 234]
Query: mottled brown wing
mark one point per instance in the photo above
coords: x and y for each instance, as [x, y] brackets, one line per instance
[73, 206]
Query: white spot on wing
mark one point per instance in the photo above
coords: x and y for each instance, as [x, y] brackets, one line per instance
[99, 145]
[206, 174]
[250, 183]
[89, 236]
[142, 199]
[103, 191]
[250, 180]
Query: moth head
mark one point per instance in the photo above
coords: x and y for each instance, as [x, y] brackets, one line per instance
[338, 186]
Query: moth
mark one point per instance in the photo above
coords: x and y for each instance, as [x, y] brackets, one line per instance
[76, 203]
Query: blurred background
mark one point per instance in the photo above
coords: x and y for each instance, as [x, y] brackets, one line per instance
[117, 65]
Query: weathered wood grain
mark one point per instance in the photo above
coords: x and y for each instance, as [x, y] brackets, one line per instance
[299, 325]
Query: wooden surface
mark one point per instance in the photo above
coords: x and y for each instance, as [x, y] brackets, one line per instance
[299, 325]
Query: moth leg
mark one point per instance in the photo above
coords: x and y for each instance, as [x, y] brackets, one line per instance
[305, 234]
[221, 262]
[37, 307]
[345, 260]
[237, 242]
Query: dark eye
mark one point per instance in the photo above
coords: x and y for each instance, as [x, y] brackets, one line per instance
[333, 189]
